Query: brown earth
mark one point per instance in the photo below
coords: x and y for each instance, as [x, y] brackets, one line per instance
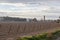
[12, 30]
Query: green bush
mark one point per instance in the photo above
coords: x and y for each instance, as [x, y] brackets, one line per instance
[45, 36]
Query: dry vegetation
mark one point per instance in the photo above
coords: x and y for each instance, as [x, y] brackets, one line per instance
[13, 29]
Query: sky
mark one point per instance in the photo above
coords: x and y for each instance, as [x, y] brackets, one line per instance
[30, 8]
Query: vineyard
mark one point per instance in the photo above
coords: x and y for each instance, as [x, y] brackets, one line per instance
[10, 30]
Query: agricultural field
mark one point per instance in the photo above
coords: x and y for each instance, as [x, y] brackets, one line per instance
[12, 30]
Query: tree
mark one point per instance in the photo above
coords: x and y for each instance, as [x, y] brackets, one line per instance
[35, 20]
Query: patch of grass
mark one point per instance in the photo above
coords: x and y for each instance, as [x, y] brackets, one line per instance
[45, 36]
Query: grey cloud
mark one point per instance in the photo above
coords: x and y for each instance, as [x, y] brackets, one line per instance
[18, 1]
[52, 10]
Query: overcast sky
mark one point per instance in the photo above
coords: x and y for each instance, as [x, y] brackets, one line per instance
[30, 8]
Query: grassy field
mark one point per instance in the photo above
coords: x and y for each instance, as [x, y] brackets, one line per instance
[44, 36]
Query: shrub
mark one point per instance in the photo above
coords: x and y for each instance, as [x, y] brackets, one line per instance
[45, 36]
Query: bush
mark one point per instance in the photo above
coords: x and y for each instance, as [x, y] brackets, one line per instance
[45, 36]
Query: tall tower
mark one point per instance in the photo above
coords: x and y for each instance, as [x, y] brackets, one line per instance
[44, 18]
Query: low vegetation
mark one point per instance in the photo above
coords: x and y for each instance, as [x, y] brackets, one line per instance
[45, 36]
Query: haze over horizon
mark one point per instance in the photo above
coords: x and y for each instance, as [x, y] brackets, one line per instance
[30, 8]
